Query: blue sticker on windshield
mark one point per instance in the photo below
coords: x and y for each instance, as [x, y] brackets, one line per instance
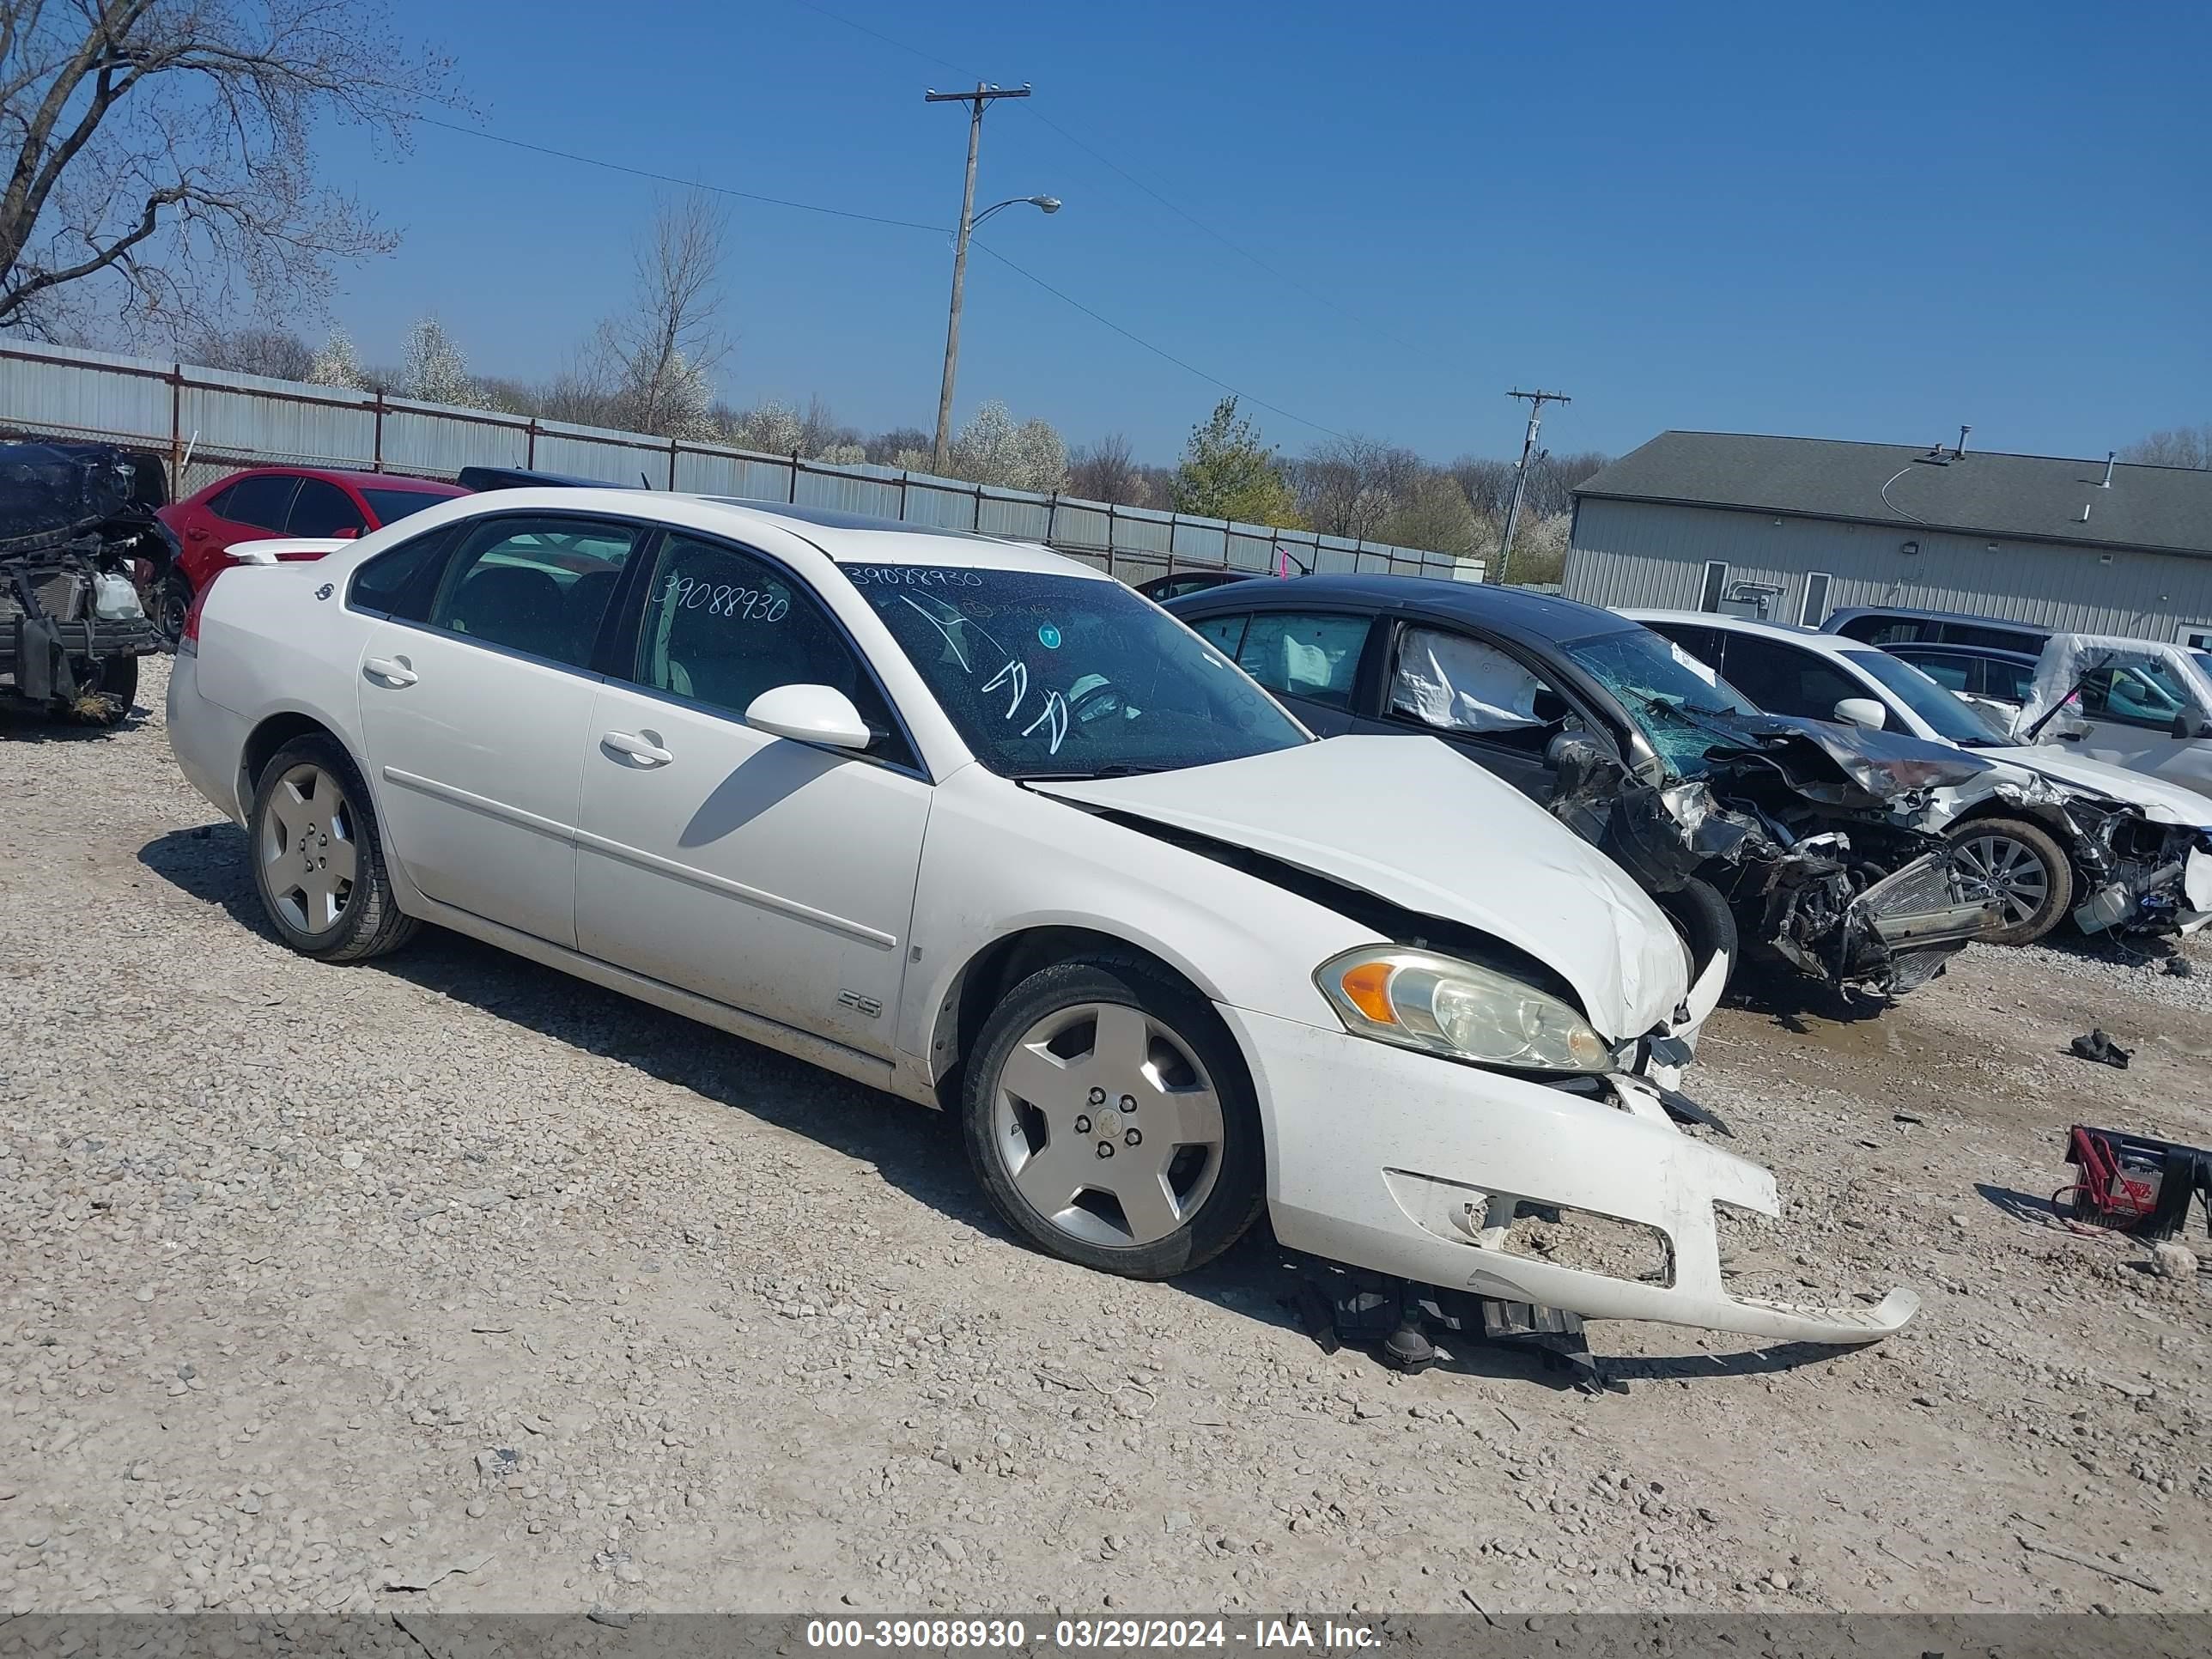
[1048, 637]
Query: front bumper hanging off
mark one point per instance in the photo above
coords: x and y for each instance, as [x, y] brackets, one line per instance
[1405, 1165]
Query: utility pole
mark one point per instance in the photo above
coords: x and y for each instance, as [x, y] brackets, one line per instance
[976, 101]
[1536, 402]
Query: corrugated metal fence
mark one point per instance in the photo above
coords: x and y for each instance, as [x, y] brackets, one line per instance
[209, 422]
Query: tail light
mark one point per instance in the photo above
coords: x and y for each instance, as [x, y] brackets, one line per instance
[188, 639]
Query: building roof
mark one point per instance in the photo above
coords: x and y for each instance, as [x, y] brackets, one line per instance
[2038, 497]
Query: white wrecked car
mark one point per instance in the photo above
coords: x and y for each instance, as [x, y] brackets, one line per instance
[979, 826]
[2047, 830]
[2142, 704]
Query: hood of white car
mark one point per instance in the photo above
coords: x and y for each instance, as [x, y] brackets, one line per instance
[2161, 802]
[1410, 820]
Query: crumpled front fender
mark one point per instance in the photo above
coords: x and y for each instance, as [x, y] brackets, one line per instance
[1407, 1164]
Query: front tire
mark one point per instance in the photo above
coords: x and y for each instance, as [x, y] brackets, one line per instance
[1111, 1121]
[1706, 924]
[2019, 862]
[318, 858]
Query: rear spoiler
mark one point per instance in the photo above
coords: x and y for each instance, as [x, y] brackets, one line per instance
[286, 549]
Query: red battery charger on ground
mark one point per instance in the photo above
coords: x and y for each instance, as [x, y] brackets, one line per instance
[2133, 1183]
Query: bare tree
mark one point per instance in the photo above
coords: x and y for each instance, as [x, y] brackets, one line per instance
[1487, 483]
[885, 447]
[1552, 482]
[1348, 486]
[662, 350]
[156, 154]
[2189, 446]
[824, 436]
[1106, 472]
[277, 353]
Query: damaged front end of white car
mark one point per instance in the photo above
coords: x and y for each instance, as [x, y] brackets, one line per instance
[1503, 1064]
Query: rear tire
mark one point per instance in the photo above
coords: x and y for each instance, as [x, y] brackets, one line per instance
[171, 600]
[1111, 1121]
[2019, 862]
[318, 855]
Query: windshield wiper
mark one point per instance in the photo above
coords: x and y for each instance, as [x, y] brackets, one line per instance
[1116, 770]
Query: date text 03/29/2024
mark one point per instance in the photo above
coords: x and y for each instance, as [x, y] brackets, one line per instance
[1109, 1635]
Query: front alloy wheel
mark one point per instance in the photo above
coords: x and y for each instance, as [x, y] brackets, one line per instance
[1110, 1119]
[2020, 865]
[1109, 1126]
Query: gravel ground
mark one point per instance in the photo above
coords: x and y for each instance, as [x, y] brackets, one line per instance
[319, 1283]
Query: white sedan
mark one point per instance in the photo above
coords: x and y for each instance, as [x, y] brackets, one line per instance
[977, 826]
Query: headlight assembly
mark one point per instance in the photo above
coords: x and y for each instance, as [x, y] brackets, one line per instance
[1418, 999]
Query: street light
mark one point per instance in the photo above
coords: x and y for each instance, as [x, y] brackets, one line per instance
[943, 453]
[981, 99]
[1048, 204]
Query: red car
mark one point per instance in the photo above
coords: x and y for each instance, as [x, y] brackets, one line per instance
[279, 501]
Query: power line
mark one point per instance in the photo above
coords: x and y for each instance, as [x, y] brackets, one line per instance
[1107, 162]
[879, 219]
[671, 178]
[926, 57]
[1137, 339]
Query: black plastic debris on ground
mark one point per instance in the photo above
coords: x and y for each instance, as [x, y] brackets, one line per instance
[1395, 1318]
[2098, 1046]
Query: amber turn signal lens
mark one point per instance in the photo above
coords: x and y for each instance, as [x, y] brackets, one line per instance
[1367, 985]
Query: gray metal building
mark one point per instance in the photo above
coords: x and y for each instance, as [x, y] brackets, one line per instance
[1793, 528]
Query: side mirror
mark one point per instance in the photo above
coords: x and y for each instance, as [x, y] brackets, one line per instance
[344, 535]
[810, 713]
[1862, 711]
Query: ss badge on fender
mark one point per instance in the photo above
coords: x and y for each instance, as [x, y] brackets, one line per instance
[324, 591]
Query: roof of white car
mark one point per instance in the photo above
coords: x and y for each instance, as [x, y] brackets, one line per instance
[1832, 645]
[845, 537]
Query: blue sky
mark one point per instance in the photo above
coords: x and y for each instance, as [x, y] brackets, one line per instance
[1865, 222]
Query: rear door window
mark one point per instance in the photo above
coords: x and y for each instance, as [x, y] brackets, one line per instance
[1305, 655]
[1946, 668]
[536, 585]
[1993, 639]
[263, 502]
[2007, 680]
[321, 508]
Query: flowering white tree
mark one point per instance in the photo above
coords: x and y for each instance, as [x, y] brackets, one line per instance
[992, 450]
[770, 428]
[334, 364]
[434, 370]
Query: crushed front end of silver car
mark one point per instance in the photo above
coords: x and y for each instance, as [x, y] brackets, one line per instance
[1824, 842]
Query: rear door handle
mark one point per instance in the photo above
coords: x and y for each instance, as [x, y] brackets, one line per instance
[638, 748]
[385, 668]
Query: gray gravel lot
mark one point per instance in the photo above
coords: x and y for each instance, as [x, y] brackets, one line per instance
[317, 1284]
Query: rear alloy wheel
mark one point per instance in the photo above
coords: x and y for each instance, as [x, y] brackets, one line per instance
[1109, 1118]
[318, 860]
[2018, 862]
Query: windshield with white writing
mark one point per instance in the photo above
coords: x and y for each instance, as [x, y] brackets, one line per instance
[1060, 676]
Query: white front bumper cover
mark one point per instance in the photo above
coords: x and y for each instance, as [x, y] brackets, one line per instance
[1396, 1161]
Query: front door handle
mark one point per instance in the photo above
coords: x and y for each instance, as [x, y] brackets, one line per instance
[643, 749]
[387, 668]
